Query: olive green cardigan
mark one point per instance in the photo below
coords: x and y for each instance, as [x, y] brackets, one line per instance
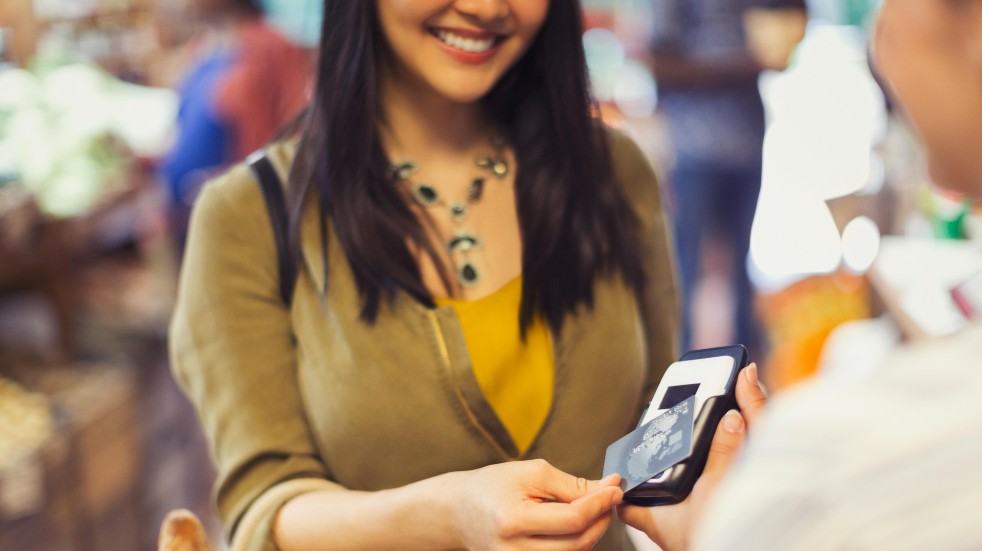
[310, 397]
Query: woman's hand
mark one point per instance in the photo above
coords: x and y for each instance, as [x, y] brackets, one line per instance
[532, 505]
[670, 526]
[517, 505]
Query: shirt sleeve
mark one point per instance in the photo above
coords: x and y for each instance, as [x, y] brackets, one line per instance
[888, 463]
[778, 494]
[660, 307]
[232, 353]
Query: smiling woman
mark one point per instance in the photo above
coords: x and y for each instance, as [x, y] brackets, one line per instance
[458, 54]
[485, 294]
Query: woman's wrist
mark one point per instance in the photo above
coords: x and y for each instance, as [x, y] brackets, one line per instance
[431, 508]
[421, 515]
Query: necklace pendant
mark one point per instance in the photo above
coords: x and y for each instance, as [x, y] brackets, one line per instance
[402, 171]
[425, 195]
[498, 167]
[476, 190]
[463, 242]
[467, 275]
[458, 211]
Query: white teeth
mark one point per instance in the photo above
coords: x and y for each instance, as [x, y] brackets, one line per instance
[466, 44]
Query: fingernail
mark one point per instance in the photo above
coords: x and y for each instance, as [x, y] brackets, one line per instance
[609, 479]
[732, 421]
[615, 498]
[752, 374]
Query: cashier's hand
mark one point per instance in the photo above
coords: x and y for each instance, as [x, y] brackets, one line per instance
[533, 505]
[670, 526]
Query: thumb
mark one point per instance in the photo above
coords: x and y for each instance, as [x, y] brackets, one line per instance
[568, 488]
[726, 443]
[750, 395]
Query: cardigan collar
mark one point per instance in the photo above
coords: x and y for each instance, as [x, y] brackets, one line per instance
[311, 243]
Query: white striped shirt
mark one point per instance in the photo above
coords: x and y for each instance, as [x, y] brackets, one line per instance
[892, 464]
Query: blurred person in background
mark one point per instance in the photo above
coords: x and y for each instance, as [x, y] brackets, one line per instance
[707, 56]
[481, 265]
[893, 462]
[245, 81]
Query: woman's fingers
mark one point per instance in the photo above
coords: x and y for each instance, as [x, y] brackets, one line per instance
[556, 518]
[528, 502]
[750, 394]
[585, 539]
[560, 486]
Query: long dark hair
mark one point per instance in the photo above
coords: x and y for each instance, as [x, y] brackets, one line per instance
[575, 223]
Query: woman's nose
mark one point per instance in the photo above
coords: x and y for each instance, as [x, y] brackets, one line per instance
[484, 10]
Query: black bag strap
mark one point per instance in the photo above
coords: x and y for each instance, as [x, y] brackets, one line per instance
[269, 182]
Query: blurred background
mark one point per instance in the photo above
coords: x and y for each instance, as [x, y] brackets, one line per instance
[114, 112]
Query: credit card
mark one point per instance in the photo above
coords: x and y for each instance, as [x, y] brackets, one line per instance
[653, 447]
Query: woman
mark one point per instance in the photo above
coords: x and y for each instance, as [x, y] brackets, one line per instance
[485, 296]
[891, 463]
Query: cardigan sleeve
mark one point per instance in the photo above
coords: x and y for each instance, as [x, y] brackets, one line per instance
[232, 353]
[659, 305]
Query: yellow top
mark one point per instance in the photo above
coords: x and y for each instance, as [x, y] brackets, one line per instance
[516, 377]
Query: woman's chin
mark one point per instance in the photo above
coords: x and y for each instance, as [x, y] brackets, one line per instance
[465, 97]
[462, 89]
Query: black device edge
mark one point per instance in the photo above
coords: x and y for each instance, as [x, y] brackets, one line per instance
[710, 415]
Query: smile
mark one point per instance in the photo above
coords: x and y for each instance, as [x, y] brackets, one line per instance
[468, 44]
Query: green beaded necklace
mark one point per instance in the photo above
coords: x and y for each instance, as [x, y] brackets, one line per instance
[462, 242]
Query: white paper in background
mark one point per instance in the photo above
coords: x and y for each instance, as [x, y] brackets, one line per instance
[856, 349]
[921, 274]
